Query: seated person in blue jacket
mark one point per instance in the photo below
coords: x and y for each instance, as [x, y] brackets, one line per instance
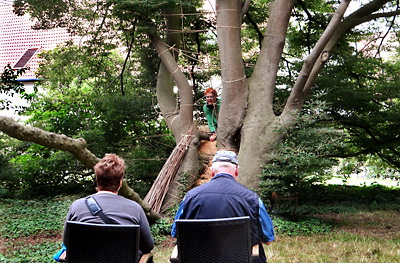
[109, 174]
[211, 110]
[224, 197]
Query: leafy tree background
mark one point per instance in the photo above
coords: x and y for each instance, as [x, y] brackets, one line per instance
[104, 90]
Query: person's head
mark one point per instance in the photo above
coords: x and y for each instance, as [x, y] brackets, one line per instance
[211, 96]
[109, 172]
[225, 162]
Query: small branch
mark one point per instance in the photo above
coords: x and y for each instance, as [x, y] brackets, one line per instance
[386, 34]
[126, 60]
[256, 28]
[246, 7]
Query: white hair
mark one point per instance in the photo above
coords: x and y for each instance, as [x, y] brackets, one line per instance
[226, 167]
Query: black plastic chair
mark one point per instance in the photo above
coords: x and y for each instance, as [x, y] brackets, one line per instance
[214, 240]
[101, 243]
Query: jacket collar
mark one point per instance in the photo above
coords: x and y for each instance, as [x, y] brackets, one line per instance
[223, 175]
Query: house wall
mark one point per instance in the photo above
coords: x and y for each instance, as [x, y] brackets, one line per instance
[16, 36]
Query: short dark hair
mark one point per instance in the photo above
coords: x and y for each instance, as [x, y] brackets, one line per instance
[109, 172]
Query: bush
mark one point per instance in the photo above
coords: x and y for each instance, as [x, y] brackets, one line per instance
[161, 229]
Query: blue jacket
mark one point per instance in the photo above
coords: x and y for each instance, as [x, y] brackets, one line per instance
[223, 197]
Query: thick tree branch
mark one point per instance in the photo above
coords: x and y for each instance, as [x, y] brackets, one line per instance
[180, 80]
[362, 15]
[77, 147]
[234, 93]
[271, 52]
[298, 94]
[179, 117]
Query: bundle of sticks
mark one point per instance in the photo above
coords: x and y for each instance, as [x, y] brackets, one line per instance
[161, 185]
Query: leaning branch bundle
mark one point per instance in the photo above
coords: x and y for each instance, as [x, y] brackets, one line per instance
[158, 191]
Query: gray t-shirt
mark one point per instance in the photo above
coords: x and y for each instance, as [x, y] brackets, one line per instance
[118, 208]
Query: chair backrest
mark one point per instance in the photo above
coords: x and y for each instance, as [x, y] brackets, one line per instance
[214, 240]
[100, 243]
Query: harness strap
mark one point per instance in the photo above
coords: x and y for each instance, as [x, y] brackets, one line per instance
[95, 209]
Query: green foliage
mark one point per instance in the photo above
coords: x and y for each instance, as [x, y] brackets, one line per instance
[364, 195]
[8, 175]
[32, 217]
[331, 199]
[28, 253]
[338, 199]
[38, 221]
[9, 86]
[301, 227]
[39, 171]
[83, 98]
[364, 104]
[161, 229]
[303, 159]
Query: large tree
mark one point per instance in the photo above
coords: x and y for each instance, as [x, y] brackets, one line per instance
[262, 34]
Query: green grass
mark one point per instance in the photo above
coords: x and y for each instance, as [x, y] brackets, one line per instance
[338, 246]
[363, 231]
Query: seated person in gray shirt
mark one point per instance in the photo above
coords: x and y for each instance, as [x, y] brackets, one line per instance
[109, 175]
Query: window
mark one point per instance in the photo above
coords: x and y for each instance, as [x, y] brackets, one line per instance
[26, 57]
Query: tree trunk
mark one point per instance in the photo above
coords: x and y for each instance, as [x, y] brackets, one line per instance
[262, 130]
[259, 134]
[234, 84]
[176, 110]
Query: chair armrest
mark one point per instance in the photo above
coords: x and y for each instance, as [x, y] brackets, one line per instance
[174, 255]
[146, 258]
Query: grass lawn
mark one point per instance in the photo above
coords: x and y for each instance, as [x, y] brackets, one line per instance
[31, 231]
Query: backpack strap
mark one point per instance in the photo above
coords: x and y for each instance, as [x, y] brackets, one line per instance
[95, 209]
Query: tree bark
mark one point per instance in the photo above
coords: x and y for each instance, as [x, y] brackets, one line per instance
[260, 132]
[261, 125]
[77, 147]
[298, 94]
[234, 84]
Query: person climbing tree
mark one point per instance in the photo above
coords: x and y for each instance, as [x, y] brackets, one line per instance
[211, 110]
